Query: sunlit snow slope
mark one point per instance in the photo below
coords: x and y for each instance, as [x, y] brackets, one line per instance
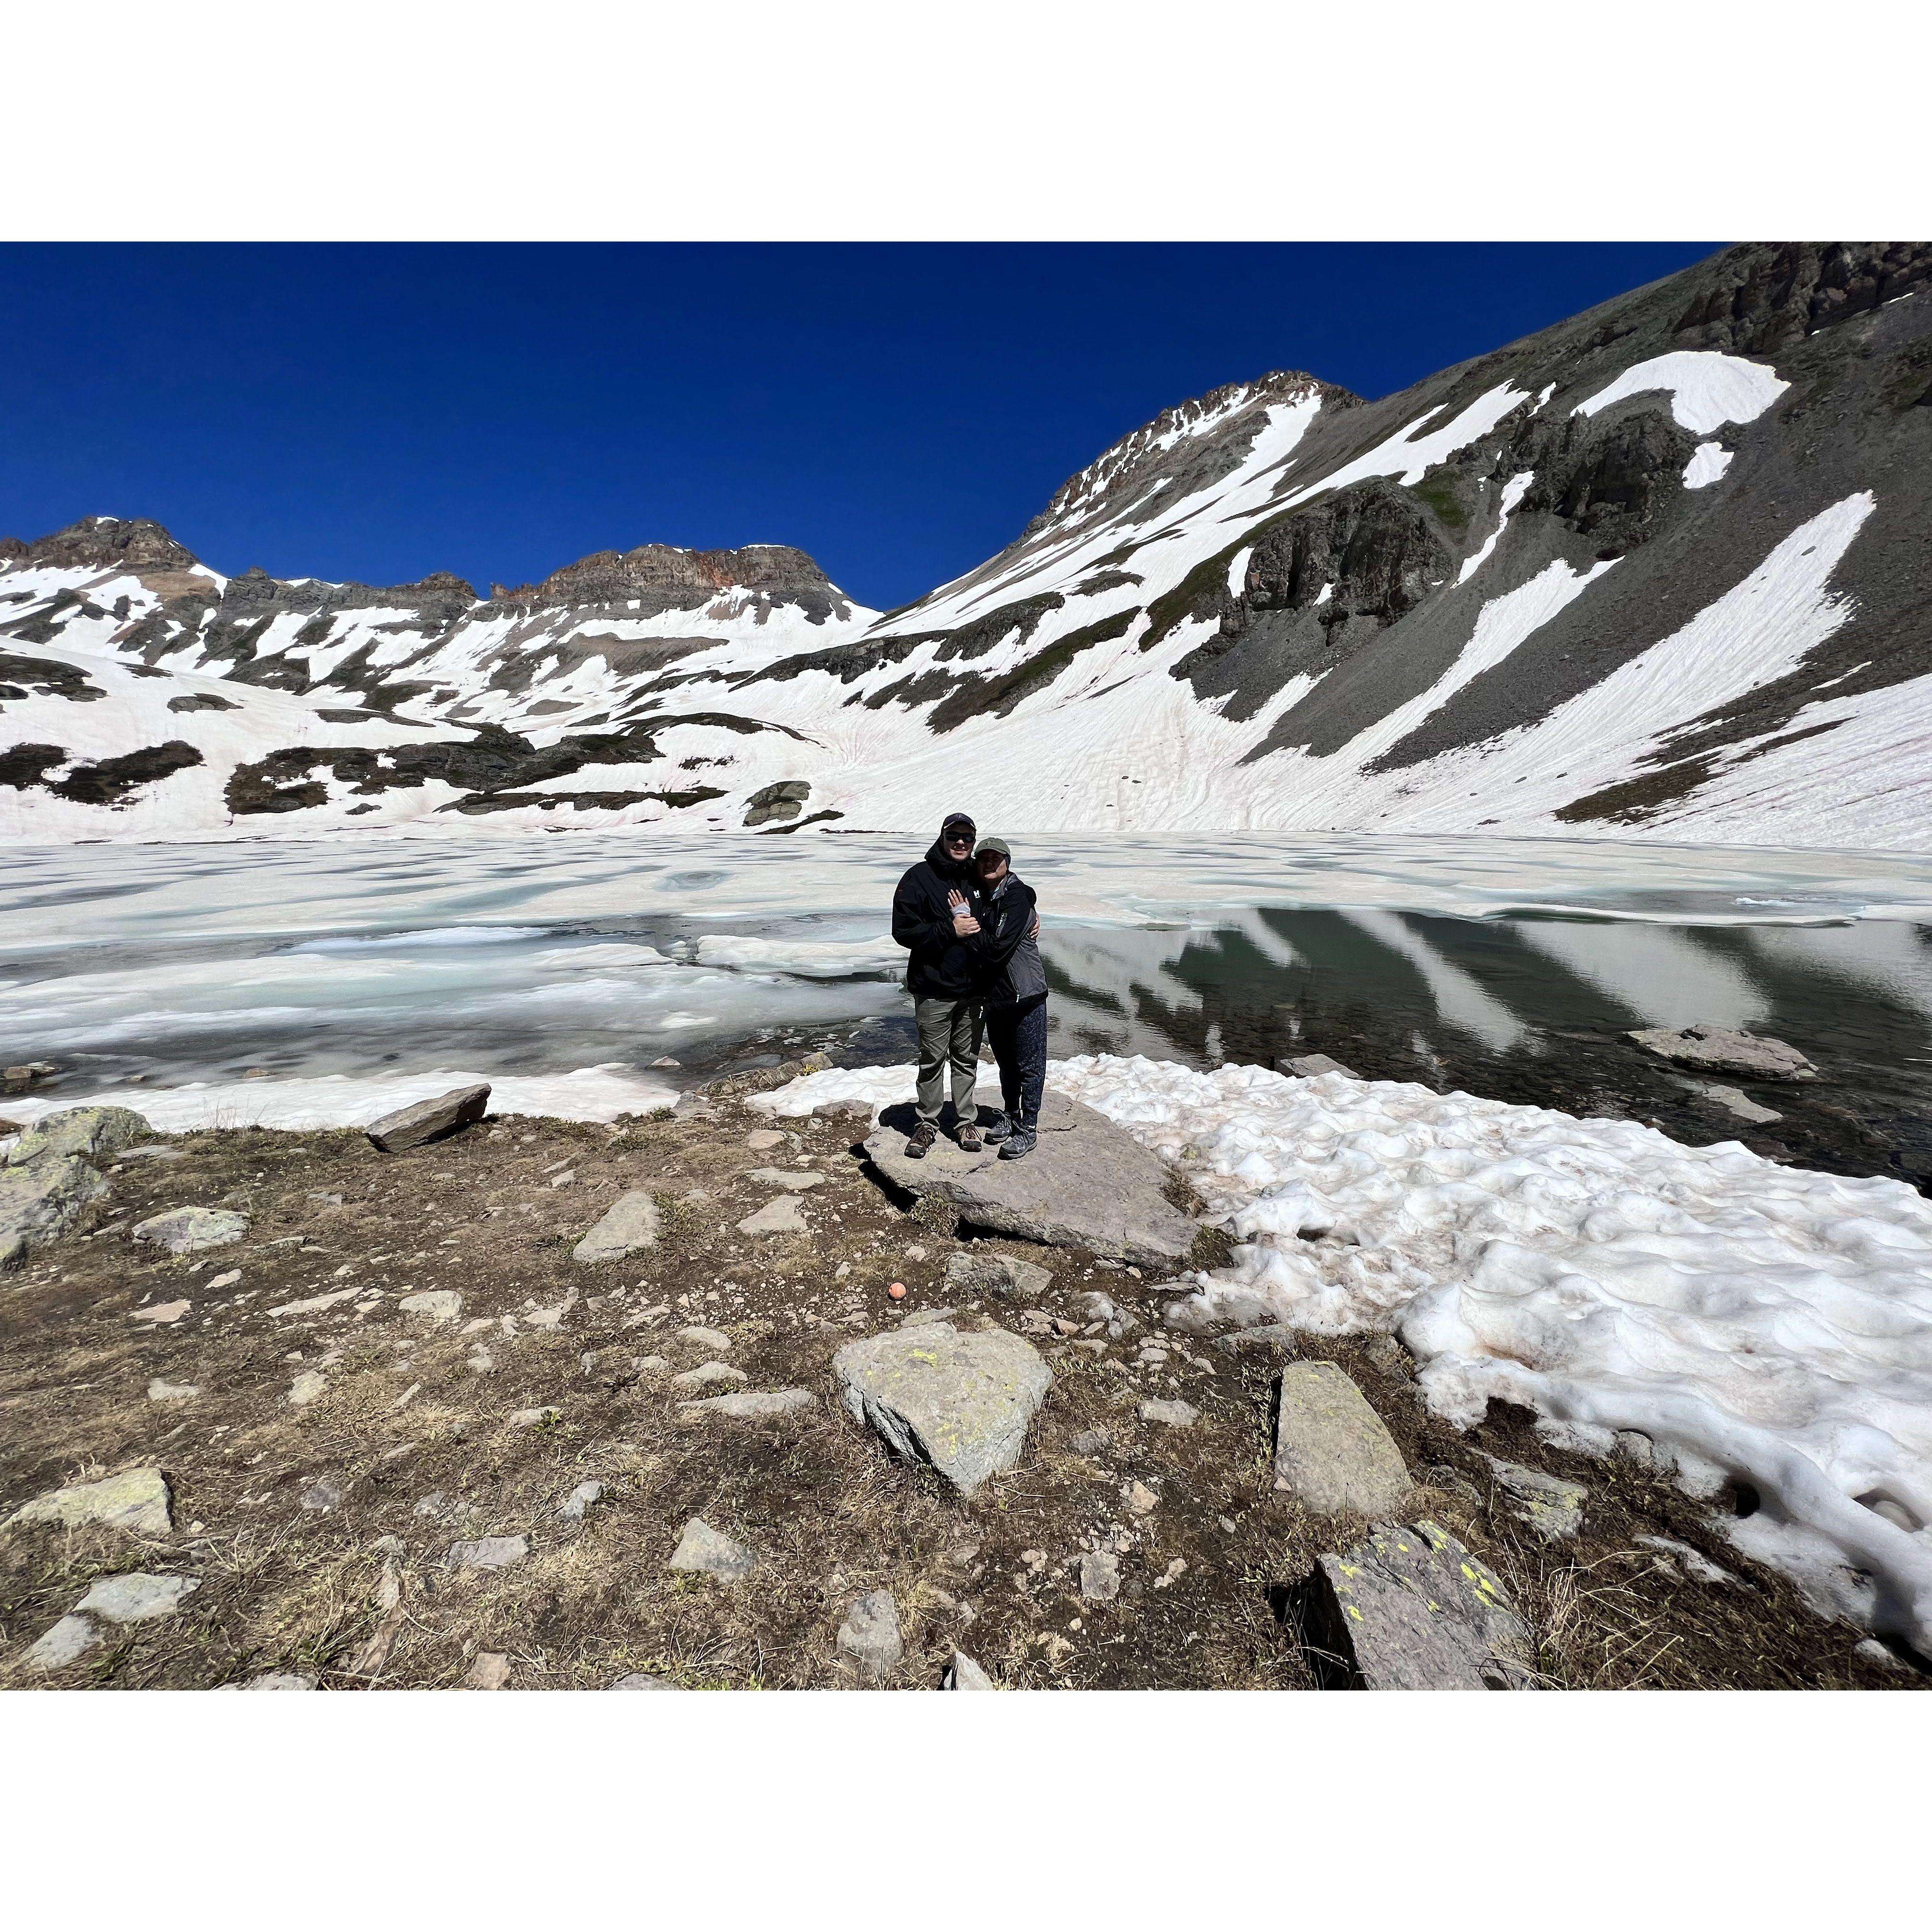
[1658, 572]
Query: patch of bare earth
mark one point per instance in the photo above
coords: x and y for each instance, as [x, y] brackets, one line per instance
[319, 1533]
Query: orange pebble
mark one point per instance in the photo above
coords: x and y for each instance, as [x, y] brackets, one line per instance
[897, 1291]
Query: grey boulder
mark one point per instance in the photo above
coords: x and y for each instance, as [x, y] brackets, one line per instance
[630, 1222]
[1332, 1452]
[870, 1635]
[781, 1215]
[965, 1675]
[997, 1274]
[488, 1552]
[750, 1404]
[1087, 1184]
[1410, 1610]
[88, 1132]
[1717, 1049]
[186, 1231]
[136, 1500]
[710, 1552]
[429, 1120]
[39, 1202]
[961, 1402]
[72, 1637]
[134, 1598]
[1551, 1506]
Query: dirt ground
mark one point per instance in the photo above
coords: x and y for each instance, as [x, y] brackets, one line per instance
[319, 1533]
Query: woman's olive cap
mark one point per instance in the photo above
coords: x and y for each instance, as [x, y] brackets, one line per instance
[998, 845]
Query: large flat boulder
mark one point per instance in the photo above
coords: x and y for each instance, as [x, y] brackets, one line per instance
[429, 1120]
[1410, 1610]
[630, 1223]
[40, 1202]
[1332, 1452]
[136, 1500]
[1717, 1049]
[88, 1132]
[962, 1402]
[1087, 1185]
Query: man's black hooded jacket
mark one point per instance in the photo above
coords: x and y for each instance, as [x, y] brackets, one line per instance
[943, 965]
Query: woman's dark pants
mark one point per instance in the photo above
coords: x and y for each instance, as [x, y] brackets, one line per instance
[1018, 1036]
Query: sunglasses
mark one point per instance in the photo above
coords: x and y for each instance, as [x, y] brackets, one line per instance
[959, 838]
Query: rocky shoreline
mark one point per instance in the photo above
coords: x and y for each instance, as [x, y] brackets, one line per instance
[528, 1403]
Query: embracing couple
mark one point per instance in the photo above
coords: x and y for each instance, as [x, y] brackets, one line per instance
[972, 929]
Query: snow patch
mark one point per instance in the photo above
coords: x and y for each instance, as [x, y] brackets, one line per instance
[1708, 388]
[1708, 461]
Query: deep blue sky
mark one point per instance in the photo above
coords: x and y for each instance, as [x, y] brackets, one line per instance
[380, 412]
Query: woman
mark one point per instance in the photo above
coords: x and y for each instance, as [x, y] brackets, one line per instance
[1014, 984]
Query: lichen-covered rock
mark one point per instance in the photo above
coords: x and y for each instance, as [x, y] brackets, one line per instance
[1332, 1452]
[88, 1131]
[961, 1402]
[186, 1231]
[136, 1500]
[39, 1202]
[1550, 1506]
[1410, 1610]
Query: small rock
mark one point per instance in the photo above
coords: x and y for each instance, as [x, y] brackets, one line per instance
[156, 1152]
[434, 1304]
[1313, 1065]
[134, 1598]
[1389, 1355]
[163, 1314]
[532, 1418]
[965, 1675]
[706, 1338]
[630, 1223]
[708, 1373]
[710, 1552]
[1099, 1575]
[316, 1304]
[1696, 1565]
[227, 1280]
[640, 1680]
[762, 1140]
[870, 1634]
[1867, 1650]
[1171, 1414]
[778, 1177]
[272, 1680]
[388, 1545]
[186, 1231]
[1092, 1441]
[1742, 1106]
[307, 1388]
[750, 1404]
[1332, 1451]
[1172, 1574]
[488, 1552]
[490, 1672]
[136, 1500]
[574, 1507]
[428, 1119]
[160, 1391]
[324, 1493]
[1141, 1500]
[1717, 1049]
[778, 1217]
[1551, 1506]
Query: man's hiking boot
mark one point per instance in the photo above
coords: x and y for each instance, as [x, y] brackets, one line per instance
[969, 1141]
[1020, 1143]
[995, 1129]
[921, 1137]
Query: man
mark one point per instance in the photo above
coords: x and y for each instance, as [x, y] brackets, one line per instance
[943, 975]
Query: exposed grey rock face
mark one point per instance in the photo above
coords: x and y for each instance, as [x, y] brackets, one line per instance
[429, 1120]
[1410, 1610]
[781, 1215]
[1717, 1049]
[488, 1552]
[1332, 1451]
[1551, 1506]
[137, 1500]
[751, 1404]
[710, 1552]
[870, 1635]
[965, 1675]
[961, 1402]
[135, 1597]
[630, 1222]
[1087, 1185]
[997, 1274]
[186, 1231]
[1313, 1065]
[92, 1132]
[40, 1202]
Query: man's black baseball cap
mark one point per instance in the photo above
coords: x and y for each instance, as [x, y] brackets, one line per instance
[953, 818]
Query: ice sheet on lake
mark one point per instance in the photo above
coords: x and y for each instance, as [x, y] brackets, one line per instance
[1770, 1320]
[808, 959]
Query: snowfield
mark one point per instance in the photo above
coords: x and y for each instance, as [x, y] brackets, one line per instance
[1764, 1324]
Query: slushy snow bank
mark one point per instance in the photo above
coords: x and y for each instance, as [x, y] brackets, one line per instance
[1771, 1321]
[336, 1100]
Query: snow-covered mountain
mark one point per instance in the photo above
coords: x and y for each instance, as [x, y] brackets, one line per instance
[1661, 571]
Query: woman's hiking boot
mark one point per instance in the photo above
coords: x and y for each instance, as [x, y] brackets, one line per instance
[921, 1137]
[995, 1129]
[1019, 1144]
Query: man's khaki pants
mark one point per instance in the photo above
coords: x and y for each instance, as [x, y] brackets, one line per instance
[949, 1035]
